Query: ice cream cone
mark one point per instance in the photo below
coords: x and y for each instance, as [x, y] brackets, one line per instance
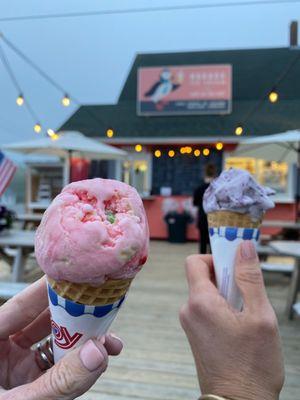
[229, 218]
[227, 229]
[80, 311]
[83, 293]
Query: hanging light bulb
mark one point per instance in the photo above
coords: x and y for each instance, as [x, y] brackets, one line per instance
[273, 96]
[65, 101]
[109, 133]
[37, 128]
[219, 146]
[197, 153]
[50, 132]
[157, 153]
[55, 136]
[239, 130]
[206, 152]
[138, 148]
[171, 153]
[20, 100]
[182, 150]
[188, 149]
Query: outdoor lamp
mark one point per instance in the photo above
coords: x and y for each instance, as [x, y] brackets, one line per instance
[20, 100]
[109, 133]
[219, 146]
[206, 152]
[197, 153]
[157, 153]
[50, 132]
[239, 130]
[65, 101]
[138, 148]
[273, 96]
[37, 128]
[171, 153]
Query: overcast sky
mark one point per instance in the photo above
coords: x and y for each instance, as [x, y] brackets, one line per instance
[91, 56]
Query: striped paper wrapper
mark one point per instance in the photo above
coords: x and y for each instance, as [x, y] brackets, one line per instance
[73, 323]
[224, 242]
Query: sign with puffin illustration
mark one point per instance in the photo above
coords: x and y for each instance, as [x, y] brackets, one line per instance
[184, 90]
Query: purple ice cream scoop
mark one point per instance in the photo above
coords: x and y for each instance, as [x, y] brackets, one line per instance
[236, 190]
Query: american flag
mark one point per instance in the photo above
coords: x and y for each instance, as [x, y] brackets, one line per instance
[7, 171]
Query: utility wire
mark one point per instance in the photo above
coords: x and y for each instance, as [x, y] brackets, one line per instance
[31, 63]
[185, 7]
[47, 78]
[281, 77]
[15, 82]
[9, 70]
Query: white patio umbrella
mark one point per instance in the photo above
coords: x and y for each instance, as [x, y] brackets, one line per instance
[68, 144]
[278, 147]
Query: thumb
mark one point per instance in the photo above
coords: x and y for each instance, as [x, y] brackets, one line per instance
[72, 376]
[75, 373]
[248, 276]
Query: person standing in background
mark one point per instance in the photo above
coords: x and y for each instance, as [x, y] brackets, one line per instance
[202, 224]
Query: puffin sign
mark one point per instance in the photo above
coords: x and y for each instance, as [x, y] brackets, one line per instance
[184, 90]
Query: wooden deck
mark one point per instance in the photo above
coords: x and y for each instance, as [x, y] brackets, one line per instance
[156, 363]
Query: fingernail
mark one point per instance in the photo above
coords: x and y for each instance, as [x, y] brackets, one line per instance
[248, 251]
[102, 340]
[91, 356]
[117, 338]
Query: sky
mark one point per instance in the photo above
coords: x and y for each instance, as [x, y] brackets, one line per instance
[90, 57]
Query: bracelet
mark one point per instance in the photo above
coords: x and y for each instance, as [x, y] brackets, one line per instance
[211, 397]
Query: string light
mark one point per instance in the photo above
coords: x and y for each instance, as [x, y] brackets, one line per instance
[37, 128]
[65, 101]
[188, 149]
[20, 100]
[171, 153]
[197, 153]
[182, 150]
[219, 146]
[50, 132]
[157, 153]
[138, 148]
[239, 130]
[55, 136]
[109, 133]
[206, 152]
[273, 96]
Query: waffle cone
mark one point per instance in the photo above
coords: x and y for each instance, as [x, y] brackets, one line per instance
[83, 293]
[230, 218]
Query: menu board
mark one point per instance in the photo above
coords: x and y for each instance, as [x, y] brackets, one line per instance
[182, 173]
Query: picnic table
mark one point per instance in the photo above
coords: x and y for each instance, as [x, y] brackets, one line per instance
[281, 224]
[29, 219]
[291, 249]
[23, 243]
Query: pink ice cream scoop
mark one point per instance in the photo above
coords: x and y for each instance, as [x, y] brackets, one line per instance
[94, 230]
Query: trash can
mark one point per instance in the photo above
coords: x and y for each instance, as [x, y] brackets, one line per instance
[177, 226]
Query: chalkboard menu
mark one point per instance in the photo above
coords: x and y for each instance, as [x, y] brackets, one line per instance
[183, 172]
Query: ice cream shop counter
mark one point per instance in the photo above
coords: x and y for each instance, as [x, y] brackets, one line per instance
[158, 206]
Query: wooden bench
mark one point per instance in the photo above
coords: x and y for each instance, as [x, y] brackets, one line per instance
[10, 289]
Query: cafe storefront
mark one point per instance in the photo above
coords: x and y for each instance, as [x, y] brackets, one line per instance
[179, 112]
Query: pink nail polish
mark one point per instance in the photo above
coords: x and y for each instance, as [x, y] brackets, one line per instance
[248, 251]
[91, 356]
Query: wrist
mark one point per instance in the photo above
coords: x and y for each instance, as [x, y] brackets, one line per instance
[236, 397]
